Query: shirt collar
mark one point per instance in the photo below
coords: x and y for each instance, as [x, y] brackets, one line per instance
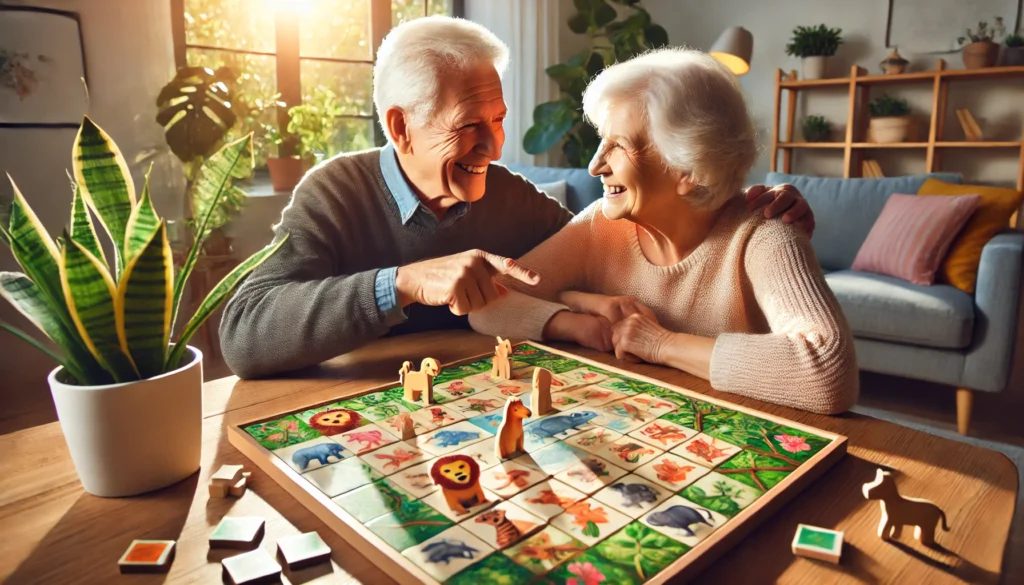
[407, 201]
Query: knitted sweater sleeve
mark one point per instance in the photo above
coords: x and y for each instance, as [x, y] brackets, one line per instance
[807, 361]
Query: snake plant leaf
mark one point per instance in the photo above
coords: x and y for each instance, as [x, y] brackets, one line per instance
[102, 173]
[142, 224]
[82, 230]
[214, 178]
[89, 291]
[195, 111]
[5, 222]
[33, 248]
[216, 298]
[144, 296]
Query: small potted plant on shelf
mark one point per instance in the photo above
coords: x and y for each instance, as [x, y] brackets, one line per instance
[129, 399]
[890, 119]
[816, 129]
[1013, 53]
[814, 45]
[981, 51]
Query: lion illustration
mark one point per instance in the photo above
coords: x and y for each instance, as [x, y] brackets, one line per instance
[459, 478]
[335, 421]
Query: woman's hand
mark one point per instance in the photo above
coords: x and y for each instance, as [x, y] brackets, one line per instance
[612, 308]
[784, 200]
[591, 331]
[640, 337]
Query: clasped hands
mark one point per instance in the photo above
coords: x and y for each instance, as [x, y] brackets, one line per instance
[610, 323]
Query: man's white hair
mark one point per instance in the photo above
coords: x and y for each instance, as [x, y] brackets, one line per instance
[415, 57]
[694, 114]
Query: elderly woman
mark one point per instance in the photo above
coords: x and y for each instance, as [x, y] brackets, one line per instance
[671, 267]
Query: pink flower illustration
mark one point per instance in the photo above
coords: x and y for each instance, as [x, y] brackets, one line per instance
[792, 444]
[293, 425]
[275, 438]
[587, 572]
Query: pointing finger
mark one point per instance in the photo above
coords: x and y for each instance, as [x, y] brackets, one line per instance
[510, 267]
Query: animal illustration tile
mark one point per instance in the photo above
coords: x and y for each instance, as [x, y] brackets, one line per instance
[454, 390]
[437, 501]
[310, 455]
[629, 453]
[503, 525]
[366, 438]
[513, 387]
[590, 521]
[376, 499]
[481, 452]
[651, 404]
[342, 477]
[663, 434]
[484, 380]
[684, 521]
[590, 474]
[542, 551]
[409, 525]
[416, 479]
[508, 478]
[436, 416]
[721, 494]
[395, 424]
[450, 438]
[495, 568]
[395, 457]
[480, 403]
[448, 553]
[633, 495]
[553, 458]
[672, 471]
[548, 498]
[559, 383]
[594, 440]
[280, 433]
[562, 401]
[623, 417]
[706, 450]
[595, 395]
[488, 422]
[561, 425]
[584, 375]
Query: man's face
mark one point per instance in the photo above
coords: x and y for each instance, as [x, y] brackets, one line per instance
[451, 151]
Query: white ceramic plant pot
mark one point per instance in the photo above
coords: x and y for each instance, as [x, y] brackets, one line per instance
[815, 67]
[889, 129]
[135, 437]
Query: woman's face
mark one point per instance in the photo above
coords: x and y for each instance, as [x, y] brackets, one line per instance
[636, 180]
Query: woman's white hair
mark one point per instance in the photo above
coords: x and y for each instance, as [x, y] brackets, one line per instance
[694, 115]
[415, 56]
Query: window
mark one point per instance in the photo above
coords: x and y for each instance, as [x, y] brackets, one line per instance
[317, 53]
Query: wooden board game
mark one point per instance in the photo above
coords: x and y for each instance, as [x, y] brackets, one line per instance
[628, 480]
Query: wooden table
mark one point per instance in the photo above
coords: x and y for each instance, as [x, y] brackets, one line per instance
[53, 532]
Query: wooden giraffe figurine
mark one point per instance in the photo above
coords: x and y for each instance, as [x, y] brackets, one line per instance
[541, 397]
[509, 439]
[500, 365]
[417, 383]
[899, 511]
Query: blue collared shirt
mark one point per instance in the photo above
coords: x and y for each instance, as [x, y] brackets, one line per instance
[411, 209]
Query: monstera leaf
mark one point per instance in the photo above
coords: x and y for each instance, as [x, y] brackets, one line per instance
[195, 109]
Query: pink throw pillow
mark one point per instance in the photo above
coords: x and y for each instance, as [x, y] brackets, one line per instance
[912, 235]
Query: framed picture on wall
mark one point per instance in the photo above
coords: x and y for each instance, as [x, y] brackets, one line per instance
[932, 26]
[42, 68]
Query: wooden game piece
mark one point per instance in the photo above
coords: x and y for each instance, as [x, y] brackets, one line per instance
[242, 532]
[224, 479]
[416, 383]
[540, 398]
[899, 511]
[508, 441]
[303, 550]
[238, 490]
[500, 365]
[246, 474]
[459, 478]
[408, 427]
[147, 556]
[251, 568]
[818, 543]
[218, 490]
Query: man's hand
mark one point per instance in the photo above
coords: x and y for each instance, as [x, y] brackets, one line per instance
[639, 338]
[464, 281]
[612, 308]
[779, 200]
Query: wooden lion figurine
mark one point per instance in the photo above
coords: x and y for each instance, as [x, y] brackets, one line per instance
[500, 366]
[421, 382]
[459, 478]
[509, 439]
[899, 511]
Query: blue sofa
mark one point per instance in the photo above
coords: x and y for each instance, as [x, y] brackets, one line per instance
[935, 333]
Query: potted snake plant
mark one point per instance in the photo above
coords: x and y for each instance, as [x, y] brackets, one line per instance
[129, 399]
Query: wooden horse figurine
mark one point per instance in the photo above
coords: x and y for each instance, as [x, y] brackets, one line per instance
[500, 366]
[417, 383]
[510, 432]
[541, 396]
[899, 511]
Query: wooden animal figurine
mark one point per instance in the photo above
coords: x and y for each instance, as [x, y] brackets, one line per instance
[408, 428]
[417, 383]
[459, 478]
[509, 440]
[541, 396]
[500, 366]
[899, 511]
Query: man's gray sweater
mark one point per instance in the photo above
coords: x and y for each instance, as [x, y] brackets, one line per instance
[315, 298]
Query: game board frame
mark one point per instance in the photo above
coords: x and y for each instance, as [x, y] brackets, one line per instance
[404, 571]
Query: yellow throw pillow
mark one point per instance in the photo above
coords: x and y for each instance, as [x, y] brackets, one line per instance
[997, 205]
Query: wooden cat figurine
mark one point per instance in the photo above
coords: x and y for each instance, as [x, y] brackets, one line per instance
[899, 511]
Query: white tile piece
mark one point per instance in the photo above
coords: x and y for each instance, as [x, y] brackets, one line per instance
[339, 478]
[629, 453]
[416, 479]
[633, 495]
[395, 457]
[548, 498]
[672, 471]
[448, 553]
[706, 450]
[508, 478]
[682, 520]
[503, 525]
[366, 438]
[663, 434]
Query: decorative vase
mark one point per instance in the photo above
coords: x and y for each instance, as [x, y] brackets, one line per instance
[133, 437]
[1013, 56]
[889, 129]
[894, 63]
[285, 173]
[980, 54]
[815, 67]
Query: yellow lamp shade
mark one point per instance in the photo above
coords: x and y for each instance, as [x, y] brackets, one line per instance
[734, 48]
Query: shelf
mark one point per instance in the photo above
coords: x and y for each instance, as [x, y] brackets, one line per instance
[912, 77]
[834, 81]
[984, 72]
[889, 145]
[955, 144]
[917, 76]
[812, 145]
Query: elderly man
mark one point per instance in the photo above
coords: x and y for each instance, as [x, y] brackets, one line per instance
[402, 238]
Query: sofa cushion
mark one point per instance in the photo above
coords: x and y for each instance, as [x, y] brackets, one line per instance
[890, 309]
[582, 188]
[845, 209]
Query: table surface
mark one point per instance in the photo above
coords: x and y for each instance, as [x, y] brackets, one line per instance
[54, 532]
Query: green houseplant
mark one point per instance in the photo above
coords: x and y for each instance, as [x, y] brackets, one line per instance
[128, 398]
[1013, 52]
[981, 51]
[890, 119]
[815, 45]
[613, 37]
[816, 129]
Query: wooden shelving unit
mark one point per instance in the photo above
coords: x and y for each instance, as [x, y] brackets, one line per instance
[858, 85]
